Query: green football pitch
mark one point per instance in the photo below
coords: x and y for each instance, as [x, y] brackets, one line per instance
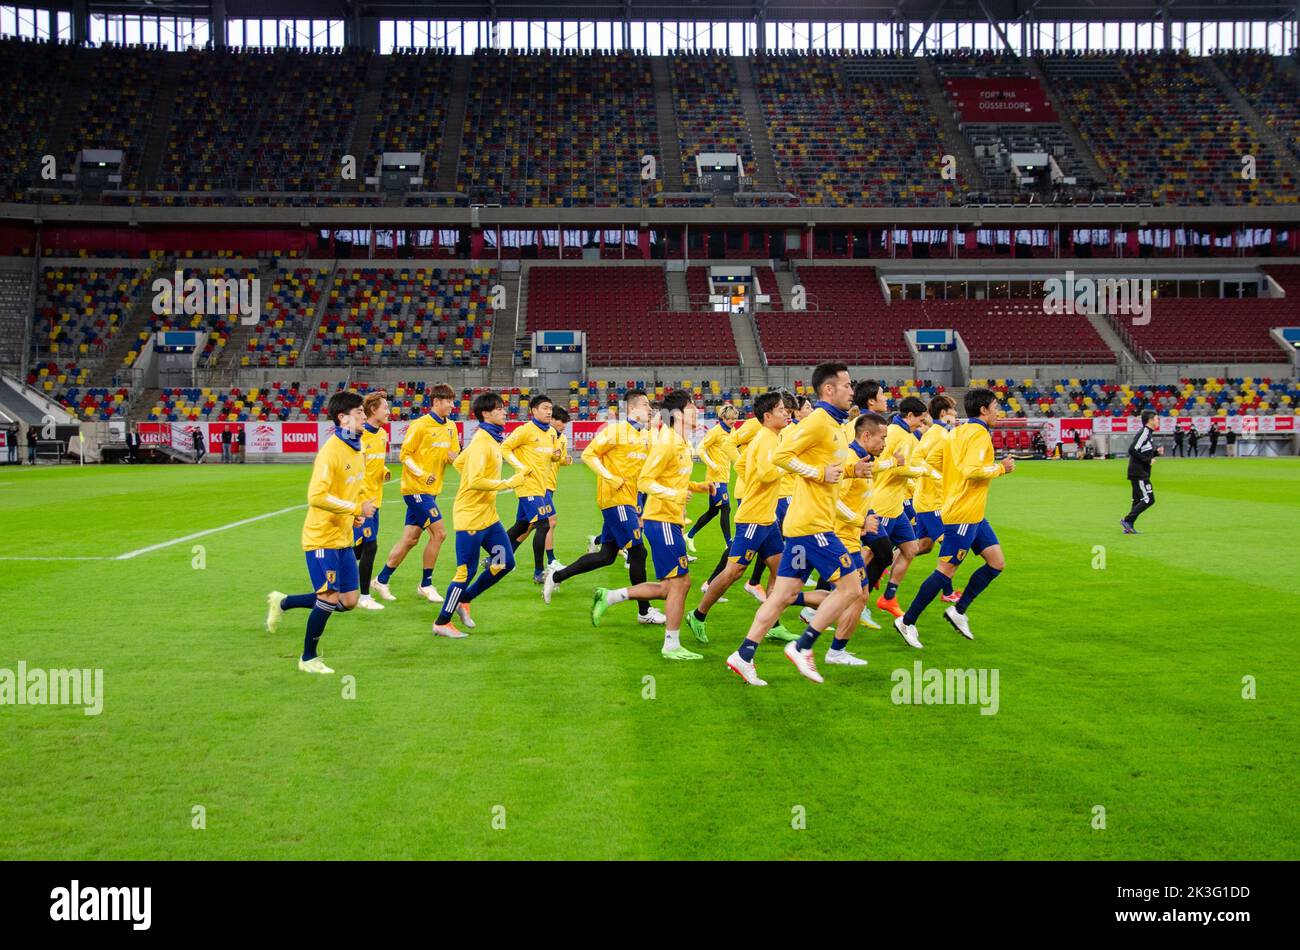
[1147, 706]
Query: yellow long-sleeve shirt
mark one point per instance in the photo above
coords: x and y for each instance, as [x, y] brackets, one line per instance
[333, 495]
[758, 504]
[893, 485]
[553, 473]
[969, 464]
[928, 494]
[534, 446]
[666, 478]
[425, 448]
[813, 444]
[740, 437]
[374, 451]
[718, 453]
[619, 449]
[851, 507]
[789, 478]
[479, 465]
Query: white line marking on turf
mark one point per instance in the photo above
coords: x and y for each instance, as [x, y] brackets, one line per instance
[54, 558]
[199, 534]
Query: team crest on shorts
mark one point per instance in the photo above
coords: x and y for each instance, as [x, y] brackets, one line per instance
[329, 577]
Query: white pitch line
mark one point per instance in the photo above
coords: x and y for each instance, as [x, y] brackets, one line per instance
[54, 558]
[199, 534]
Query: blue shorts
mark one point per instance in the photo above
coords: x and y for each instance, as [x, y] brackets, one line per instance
[422, 510]
[534, 508]
[668, 548]
[782, 506]
[720, 495]
[897, 529]
[333, 569]
[369, 530]
[622, 527]
[492, 541]
[859, 565]
[823, 553]
[929, 525]
[640, 502]
[960, 538]
[871, 536]
[908, 510]
[550, 499]
[754, 540]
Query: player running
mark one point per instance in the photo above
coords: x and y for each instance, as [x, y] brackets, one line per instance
[968, 467]
[1140, 453]
[718, 453]
[374, 452]
[534, 449]
[757, 534]
[429, 446]
[616, 455]
[816, 452]
[927, 497]
[800, 407]
[559, 420]
[474, 513]
[334, 508]
[666, 481]
[892, 489]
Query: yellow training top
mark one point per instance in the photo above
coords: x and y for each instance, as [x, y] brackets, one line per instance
[425, 448]
[619, 449]
[758, 504]
[666, 478]
[813, 444]
[534, 445]
[333, 495]
[968, 466]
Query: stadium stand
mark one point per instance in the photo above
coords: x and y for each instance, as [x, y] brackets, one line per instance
[32, 77]
[1189, 397]
[1209, 329]
[1160, 127]
[619, 308]
[549, 130]
[15, 313]
[79, 312]
[851, 130]
[1270, 88]
[276, 120]
[412, 108]
[286, 321]
[218, 326]
[412, 316]
[707, 106]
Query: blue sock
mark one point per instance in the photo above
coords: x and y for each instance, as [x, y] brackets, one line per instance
[455, 594]
[978, 581]
[486, 579]
[695, 527]
[947, 584]
[426, 577]
[320, 613]
[809, 637]
[798, 600]
[385, 574]
[838, 644]
[550, 556]
[298, 601]
[747, 650]
[931, 587]
[891, 590]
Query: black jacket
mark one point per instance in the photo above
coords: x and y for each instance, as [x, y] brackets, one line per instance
[1140, 453]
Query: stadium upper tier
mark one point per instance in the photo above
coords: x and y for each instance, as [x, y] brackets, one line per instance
[555, 130]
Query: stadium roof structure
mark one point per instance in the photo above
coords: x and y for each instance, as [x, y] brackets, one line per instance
[1003, 11]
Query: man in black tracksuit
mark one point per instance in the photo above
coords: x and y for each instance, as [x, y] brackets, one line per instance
[1140, 453]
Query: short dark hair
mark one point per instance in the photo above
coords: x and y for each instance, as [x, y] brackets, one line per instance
[801, 400]
[538, 400]
[977, 399]
[941, 404]
[485, 403]
[765, 403]
[441, 391]
[1149, 414]
[824, 372]
[864, 392]
[675, 401]
[789, 399]
[911, 406]
[634, 393]
[341, 403]
[868, 418]
[559, 413]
